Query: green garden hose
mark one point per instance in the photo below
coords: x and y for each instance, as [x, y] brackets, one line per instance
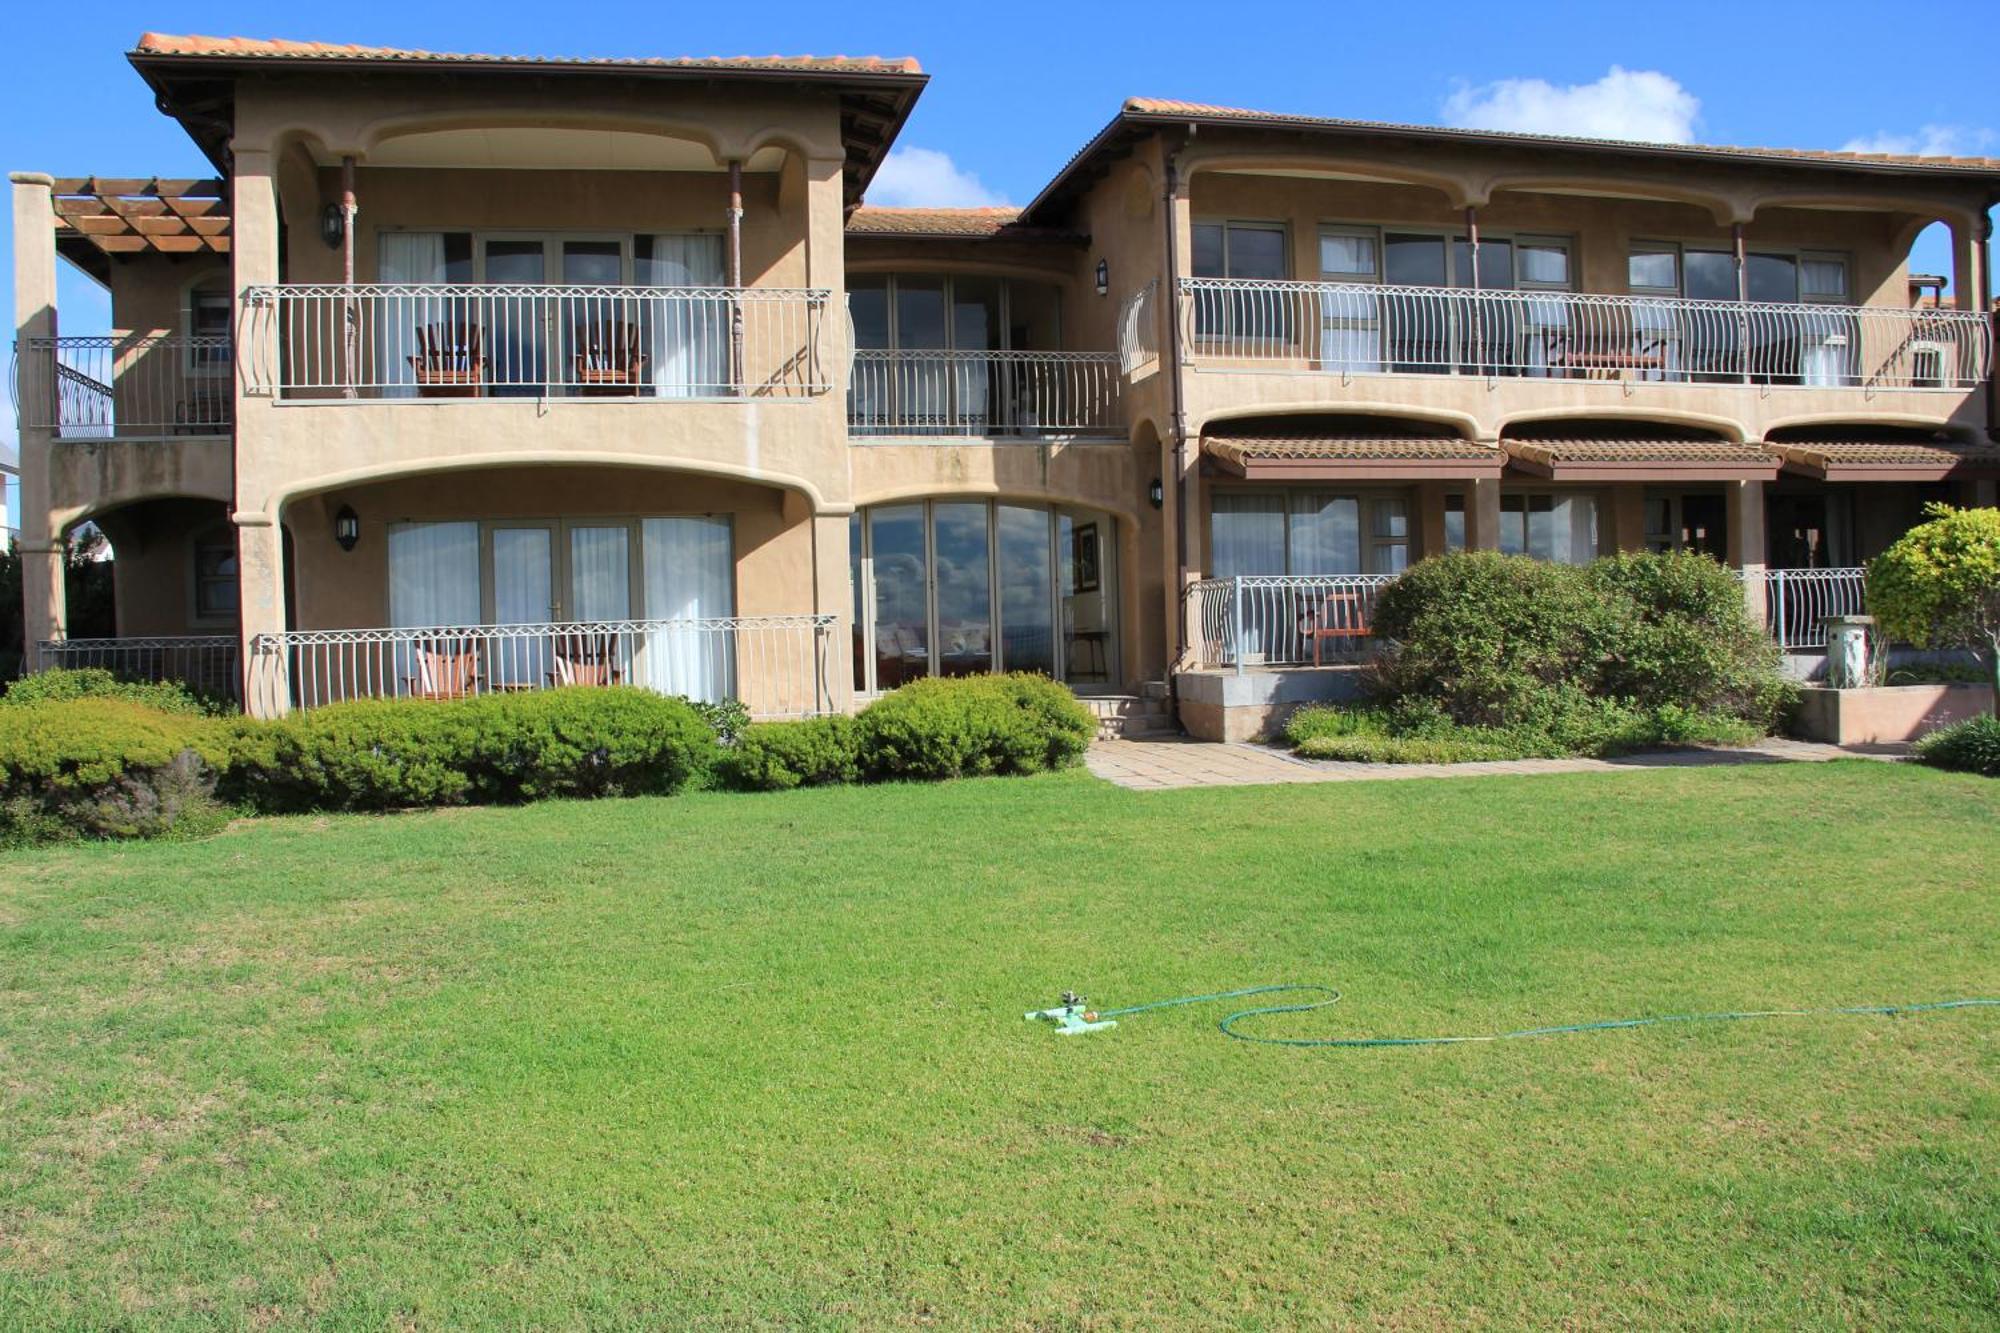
[1228, 1023]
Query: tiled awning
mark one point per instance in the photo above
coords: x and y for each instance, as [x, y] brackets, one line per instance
[1642, 460]
[1889, 460]
[1308, 457]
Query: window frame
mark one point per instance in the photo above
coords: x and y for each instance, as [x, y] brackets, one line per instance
[1366, 503]
[214, 536]
[1798, 254]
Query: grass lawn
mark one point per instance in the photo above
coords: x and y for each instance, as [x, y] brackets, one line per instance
[729, 1060]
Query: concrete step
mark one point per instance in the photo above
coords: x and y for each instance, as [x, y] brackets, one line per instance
[1128, 715]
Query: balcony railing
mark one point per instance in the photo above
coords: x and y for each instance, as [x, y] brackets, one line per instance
[1030, 394]
[464, 341]
[1139, 329]
[205, 663]
[1284, 619]
[1797, 602]
[138, 386]
[777, 665]
[1368, 329]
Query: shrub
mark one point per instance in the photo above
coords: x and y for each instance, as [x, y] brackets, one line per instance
[96, 683]
[1972, 746]
[1361, 748]
[1938, 585]
[1320, 721]
[776, 756]
[1684, 638]
[381, 754]
[97, 767]
[725, 717]
[973, 725]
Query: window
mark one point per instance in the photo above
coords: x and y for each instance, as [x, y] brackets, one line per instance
[1249, 252]
[215, 583]
[1556, 526]
[1389, 537]
[1307, 532]
[1454, 522]
[913, 333]
[1686, 522]
[208, 317]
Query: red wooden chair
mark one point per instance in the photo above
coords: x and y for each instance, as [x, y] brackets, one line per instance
[1342, 618]
[445, 670]
[449, 362]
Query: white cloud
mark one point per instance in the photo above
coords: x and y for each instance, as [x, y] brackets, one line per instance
[926, 178]
[1929, 141]
[1640, 104]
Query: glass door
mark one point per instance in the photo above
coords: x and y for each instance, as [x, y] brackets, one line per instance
[599, 334]
[1350, 323]
[1419, 325]
[522, 557]
[900, 558]
[517, 336]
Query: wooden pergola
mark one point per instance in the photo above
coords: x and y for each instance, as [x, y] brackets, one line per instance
[101, 219]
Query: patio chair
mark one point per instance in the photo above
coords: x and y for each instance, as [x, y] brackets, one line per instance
[586, 659]
[444, 670]
[1573, 355]
[1342, 618]
[449, 362]
[608, 357]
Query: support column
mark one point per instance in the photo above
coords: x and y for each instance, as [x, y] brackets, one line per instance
[1482, 514]
[1628, 518]
[41, 549]
[1966, 281]
[833, 594]
[260, 564]
[260, 557]
[1746, 548]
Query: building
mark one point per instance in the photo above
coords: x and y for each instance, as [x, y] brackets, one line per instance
[577, 371]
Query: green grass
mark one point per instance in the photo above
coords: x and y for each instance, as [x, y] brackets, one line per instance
[725, 1060]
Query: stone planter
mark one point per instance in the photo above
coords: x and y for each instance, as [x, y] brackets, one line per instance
[1887, 714]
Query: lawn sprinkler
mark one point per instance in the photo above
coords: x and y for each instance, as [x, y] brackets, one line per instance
[1070, 1017]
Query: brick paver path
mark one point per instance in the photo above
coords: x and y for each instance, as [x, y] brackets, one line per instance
[1178, 762]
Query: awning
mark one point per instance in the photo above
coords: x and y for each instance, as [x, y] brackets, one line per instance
[1352, 457]
[1889, 460]
[1641, 460]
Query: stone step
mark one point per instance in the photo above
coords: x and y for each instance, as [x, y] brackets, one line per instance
[1129, 715]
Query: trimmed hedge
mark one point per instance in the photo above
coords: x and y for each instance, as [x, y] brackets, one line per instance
[777, 756]
[97, 683]
[106, 768]
[973, 725]
[1971, 746]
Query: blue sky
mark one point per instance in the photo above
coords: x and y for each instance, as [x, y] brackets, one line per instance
[1019, 87]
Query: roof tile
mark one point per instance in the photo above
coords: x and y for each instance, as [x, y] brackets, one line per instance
[263, 48]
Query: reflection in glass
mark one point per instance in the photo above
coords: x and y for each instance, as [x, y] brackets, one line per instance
[1027, 613]
[964, 590]
[1087, 578]
[902, 640]
[514, 325]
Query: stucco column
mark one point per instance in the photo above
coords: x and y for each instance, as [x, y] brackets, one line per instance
[833, 594]
[1482, 514]
[260, 562]
[35, 317]
[1628, 518]
[1746, 548]
[1965, 280]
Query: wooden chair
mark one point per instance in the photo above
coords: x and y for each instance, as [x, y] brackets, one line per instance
[444, 670]
[608, 358]
[1605, 356]
[449, 362]
[586, 659]
[1342, 616]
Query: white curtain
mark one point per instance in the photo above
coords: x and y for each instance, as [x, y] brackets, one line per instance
[1561, 528]
[689, 339]
[433, 574]
[408, 257]
[1325, 536]
[1350, 326]
[689, 575]
[600, 573]
[1247, 535]
[523, 594]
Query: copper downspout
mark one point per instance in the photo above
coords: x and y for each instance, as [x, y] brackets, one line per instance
[1742, 297]
[1478, 324]
[736, 370]
[350, 314]
[1178, 425]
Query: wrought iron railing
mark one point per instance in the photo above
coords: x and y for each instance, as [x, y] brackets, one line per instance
[1284, 619]
[1139, 328]
[776, 665]
[1797, 602]
[142, 386]
[1363, 329]
[467, 341]
[205, 663]
[1030, 394]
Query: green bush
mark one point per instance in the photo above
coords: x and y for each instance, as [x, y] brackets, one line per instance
[1684, 639]
[777, 756]
[96, 767]
[96, 683]
[726, 717]
[1320, 721]
[585, 742]
[1362, 748]
[1972, 746]
[973, 725]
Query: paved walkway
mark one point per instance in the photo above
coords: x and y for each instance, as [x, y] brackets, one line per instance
[1154, 764]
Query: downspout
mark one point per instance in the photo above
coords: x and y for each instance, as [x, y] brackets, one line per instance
[1478, 323]
[1993, 331]
[737, 375]
[1742, 297]
[1177, 425]
[350, 314]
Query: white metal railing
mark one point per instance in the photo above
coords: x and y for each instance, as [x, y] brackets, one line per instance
[1284, 619]
[145, 386]
[1362, 328]
[464, 341]
[205, 663]
[777, 665]
[1797, 602]
[918, 392]
[1139, 328]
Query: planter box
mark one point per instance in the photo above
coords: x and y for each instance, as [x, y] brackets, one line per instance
[1887, 714]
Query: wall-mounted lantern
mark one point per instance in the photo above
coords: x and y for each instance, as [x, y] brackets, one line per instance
[1157, 493]
[346, 527]
[1103, 278]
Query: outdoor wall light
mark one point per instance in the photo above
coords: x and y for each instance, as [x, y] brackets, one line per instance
[347, 527]
[1157, 493]
[1103, 278]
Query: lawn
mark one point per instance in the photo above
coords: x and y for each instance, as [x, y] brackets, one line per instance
[759, 1060]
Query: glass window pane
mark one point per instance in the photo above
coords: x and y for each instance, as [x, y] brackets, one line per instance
[1496, 264]
[1390, 518]
[1711, 275]
[1545, 265]
[1208, 250]
[1257, 252]
[1653, 270]
[902, 622]
[1088, 584]
[524, 583]
[860, 621]
[1823, 279]
[1347, 258]
[964, 590]
[593, 263]
[433, 574]
[1027, 591]
[689, 570]
[920, 313]
[1773, 277]
[1413, 260]
[600, 573]
[1454, 522]
[1247, 534]
[1325, 535]
[868, 305]
[1514, 524]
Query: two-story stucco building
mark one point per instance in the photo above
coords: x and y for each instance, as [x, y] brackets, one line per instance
[481, 373]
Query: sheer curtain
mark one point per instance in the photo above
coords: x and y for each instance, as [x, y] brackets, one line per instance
[408, 258]
[690, 576]
[689, 340]
[1325, 536]
[600, 573]
[433, 580]
[1247, 536]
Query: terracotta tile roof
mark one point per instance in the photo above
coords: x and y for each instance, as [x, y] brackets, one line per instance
[1336, 454]
[262, 48]
[1154, 106]
[1862, 457]
[870, 220]
[1557, 452]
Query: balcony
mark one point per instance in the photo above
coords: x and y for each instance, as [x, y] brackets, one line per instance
[123, 388]
[1023, 395]
[376, 343]
[1351, 329]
